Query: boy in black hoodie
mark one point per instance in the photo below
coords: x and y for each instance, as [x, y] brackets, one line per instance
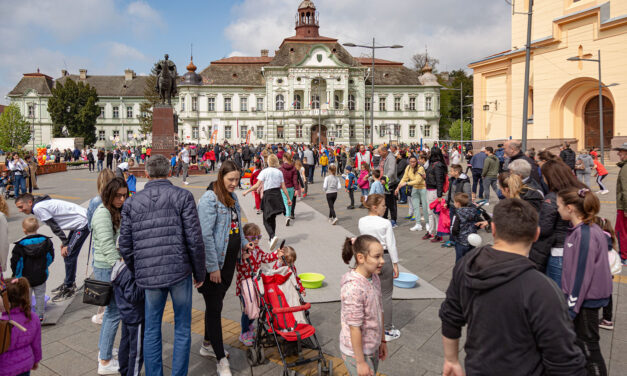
[31, 257]
[130, 301]
[463, 224]
[517, 318]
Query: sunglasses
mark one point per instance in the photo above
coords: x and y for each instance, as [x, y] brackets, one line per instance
[254, 237]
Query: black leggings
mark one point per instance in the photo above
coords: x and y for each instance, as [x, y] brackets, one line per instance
[213, 294]
[293, 206]
[270, 225]
[587, 330]
[331, 197]
[600, 182]
[352, 197]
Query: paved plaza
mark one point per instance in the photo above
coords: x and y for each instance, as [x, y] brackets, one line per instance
[70, 347]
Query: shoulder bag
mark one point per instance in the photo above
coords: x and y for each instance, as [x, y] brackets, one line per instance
[96, 292]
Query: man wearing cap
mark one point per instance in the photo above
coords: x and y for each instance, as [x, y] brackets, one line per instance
[621, 202]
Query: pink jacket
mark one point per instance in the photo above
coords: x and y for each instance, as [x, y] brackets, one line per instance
[25, 349]
[361, 307]
[362, 180]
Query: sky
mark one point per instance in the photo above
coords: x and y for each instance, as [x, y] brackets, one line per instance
[108, 36]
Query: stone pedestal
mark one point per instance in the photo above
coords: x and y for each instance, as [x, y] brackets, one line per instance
[163, 133]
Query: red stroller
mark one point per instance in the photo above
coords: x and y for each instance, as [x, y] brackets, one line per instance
[283, 325]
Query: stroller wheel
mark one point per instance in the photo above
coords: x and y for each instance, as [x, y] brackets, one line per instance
[252, 357]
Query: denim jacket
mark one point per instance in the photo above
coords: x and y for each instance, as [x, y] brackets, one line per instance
[215, 222]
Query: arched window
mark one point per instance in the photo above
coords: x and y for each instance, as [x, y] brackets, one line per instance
[351, 102]
[297, 102]
[280, 102]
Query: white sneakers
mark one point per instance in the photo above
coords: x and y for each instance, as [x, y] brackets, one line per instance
[427, 227]
[392, 334]
[186, 183]
[334, 221]
[288, 220]
[208, 351]
[273, 242]
[603, 192]
[110, 369]
[97, 318]
[224, 369]
[417, 227]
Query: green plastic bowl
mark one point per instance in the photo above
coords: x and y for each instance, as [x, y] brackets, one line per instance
[311, 280]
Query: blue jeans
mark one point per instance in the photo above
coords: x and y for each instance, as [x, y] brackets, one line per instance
[76, 239]
[99, 165]
[245, 321]
[19, 184]
[110, 320]
[310, 172]
[477, 180]
[323, 170]
[404, 192]
[554, 269]
[181, 295]
[461, 250]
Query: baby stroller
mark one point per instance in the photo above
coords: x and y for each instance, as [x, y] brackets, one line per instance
[7, 185]
[484, 214]
[283, 325]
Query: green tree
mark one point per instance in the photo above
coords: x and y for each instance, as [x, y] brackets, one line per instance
[145, 108]
[73, 105]
[453, 131]
[14, 129]
[450, 101]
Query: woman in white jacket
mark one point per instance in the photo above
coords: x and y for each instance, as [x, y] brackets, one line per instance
[331, 186]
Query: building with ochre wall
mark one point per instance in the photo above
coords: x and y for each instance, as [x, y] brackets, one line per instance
[563, 95]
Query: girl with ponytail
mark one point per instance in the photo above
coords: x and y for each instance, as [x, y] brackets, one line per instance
[362, 338]
[586, 278]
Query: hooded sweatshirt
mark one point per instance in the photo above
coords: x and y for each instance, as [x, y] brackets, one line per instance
[463, 224]
[31, 257]
[289, 175]
[517, 317]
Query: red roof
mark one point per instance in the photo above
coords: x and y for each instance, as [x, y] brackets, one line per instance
[244, 60]
[2, 107]
[37, 74]
[368, 61]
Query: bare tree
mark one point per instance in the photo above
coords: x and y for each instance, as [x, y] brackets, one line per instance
[421, 59]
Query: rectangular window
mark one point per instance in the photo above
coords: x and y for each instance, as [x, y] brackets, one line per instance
[243, 131]
[428, 106]
[336, 102]
[351, 102]
[299, 131]
[368, 103]
[182, 104]
[129, 112]
[412, 131]
[227, 132]
[211, 104]
[260, 131]
[243, 104]
[31, 110]
[279, 131]
[116, 112]
[297, 102]
[426, 131]
[116, 134]
[412, 104]
[102, 112]
[315, 102]
[194, 103]
[367, 131]
[101, 135]
[260, 104]
[195, 133]
[397, 104]
[382, 104]
[382, 130]
[338, 133]
[351, 131]
[227, 105]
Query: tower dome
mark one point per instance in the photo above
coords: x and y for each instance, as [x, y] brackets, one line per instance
[428, 78]
[191, 77]
[307, 22]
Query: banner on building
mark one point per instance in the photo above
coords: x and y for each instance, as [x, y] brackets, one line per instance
[248, 136]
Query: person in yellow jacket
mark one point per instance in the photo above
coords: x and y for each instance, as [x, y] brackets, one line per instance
[324, 164]
[414, 176]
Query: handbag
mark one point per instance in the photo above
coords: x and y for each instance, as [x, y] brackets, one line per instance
[616, 266]
[96, 292]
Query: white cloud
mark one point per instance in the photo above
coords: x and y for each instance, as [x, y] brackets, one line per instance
[455, 31]
[122, 51]
[143, 19]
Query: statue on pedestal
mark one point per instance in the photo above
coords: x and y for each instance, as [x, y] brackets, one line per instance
[165, 70]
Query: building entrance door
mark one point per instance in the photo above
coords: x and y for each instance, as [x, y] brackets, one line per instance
[592, 123]
[315, 140]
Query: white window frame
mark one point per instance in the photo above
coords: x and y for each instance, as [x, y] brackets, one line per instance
[299, 131]
[102, 112]
[412, 131]
[260, 106]
[428, 104]
[211, 104]
[242, 130]
[259, 131]
[412, 103]
[382, 104]
[195, 133]
[351, 102]
[280, 131]
[116, 133]
[194, 103]
[426, 130]
[243, 104]
[129, 112]
[227, 132]
[279, 102]
[129, 135]
[297, 102]
[368, 103]
[315, 102]
[397, 103]
[116, 112]
[228, 101]
[101, 135]
[351, 131]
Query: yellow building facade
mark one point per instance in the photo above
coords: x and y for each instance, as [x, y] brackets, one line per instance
[563, 95]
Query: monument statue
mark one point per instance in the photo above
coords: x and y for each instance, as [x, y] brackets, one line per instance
[165, 70]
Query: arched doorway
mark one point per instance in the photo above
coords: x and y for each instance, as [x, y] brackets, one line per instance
[314, 134]
[592, 122]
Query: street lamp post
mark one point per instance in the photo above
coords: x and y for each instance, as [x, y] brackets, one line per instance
[373, 48]
[601, 86]
[32, 116]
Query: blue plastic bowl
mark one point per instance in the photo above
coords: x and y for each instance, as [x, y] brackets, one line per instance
[406, 280]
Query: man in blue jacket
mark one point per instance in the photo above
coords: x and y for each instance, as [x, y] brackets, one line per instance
[477, 162]
[162, 245]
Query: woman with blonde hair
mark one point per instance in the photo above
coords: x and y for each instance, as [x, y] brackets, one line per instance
[272, 200]
[513, 187]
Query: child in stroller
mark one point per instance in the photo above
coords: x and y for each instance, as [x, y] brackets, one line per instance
[6, 184]
[283, 320]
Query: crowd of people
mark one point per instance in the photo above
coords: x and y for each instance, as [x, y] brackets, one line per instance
[530, 300]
